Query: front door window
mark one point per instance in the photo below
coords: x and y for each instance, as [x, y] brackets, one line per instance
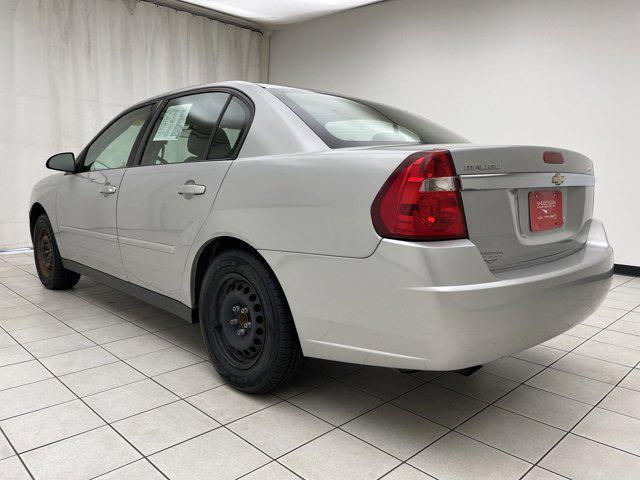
[113, 147]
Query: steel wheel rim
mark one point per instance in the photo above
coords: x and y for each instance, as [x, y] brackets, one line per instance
[45, 252]
[238, 323]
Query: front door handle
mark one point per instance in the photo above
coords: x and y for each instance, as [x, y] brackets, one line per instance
[107, 189]
[191, 189]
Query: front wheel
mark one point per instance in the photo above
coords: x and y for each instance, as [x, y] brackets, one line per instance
[47, 257]
[246, 323]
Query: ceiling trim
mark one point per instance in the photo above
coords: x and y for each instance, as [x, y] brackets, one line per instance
[207, 12]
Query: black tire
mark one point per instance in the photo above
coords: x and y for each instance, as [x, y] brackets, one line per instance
[47, 257]
[268, 353]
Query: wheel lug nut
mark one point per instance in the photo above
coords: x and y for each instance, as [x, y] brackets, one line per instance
[233, 321]
[236, 309]
[244, 310]
[246, 325]
[241, 332]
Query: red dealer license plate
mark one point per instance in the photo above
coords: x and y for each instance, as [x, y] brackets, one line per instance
[545, 210]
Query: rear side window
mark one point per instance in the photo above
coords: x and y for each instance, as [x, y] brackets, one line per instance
[113, 147]
[232, 127]
[344, 122]
[183, 130]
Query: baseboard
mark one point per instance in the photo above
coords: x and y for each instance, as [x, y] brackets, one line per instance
[626, 269]
[11, 251]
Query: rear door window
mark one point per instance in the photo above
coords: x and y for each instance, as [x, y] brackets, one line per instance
[231, 130]
[183, 131]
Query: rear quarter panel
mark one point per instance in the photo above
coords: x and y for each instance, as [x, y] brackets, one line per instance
[315, 203]
[312, 203]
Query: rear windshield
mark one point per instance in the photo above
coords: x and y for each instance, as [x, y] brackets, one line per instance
[345, 122]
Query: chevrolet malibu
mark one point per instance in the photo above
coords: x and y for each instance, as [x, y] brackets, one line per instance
[294, 223]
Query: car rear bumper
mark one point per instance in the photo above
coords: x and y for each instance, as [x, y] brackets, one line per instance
[437, 306]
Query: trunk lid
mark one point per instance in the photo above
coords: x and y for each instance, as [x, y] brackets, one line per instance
[519, 209]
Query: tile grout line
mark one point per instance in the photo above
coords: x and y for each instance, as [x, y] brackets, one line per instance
[96, 413]
[179, 399]
[550, 366]
[106, 423]
[338, 379]
[223, 426]
[310, 413]
[65, 438]
[126, 465]
[149, 378]
[338, 427]
[570, 432]
[585, 415]
[78, 398]
[490, 404]
[385, 402]
[15, 451]
[449, 430]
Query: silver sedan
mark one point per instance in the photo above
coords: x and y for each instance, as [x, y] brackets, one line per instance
[293, 223]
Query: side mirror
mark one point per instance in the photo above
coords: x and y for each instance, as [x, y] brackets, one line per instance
[63, 162]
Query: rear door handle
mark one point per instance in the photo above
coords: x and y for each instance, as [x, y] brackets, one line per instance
[191, 189]
[107, 189]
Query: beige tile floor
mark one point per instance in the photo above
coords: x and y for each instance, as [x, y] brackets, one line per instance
[95, 384]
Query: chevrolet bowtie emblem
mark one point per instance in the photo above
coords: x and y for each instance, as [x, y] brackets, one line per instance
[557, 179]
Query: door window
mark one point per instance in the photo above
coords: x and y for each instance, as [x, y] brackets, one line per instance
[230, 131]
[113, 147]
[183, 131]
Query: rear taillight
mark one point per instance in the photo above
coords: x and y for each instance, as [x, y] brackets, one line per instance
[421, 200]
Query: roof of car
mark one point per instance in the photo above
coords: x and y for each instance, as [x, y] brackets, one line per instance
[227, 83]
[189, 88]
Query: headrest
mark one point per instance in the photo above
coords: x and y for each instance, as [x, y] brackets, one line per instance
[221, 146]
[197, 143]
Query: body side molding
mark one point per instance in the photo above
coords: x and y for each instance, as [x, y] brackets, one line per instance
[161, 301]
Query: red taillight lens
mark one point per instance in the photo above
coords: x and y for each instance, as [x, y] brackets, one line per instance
[421, 200]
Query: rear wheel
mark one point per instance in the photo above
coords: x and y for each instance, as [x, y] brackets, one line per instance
[246, 323]
[47, 257]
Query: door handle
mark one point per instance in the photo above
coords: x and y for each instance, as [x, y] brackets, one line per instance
[191, 189]
[107, 189]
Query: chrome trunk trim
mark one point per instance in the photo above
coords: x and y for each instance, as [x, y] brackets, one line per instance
[499, 181]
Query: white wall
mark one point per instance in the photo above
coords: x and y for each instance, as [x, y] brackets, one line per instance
[563, 73]
[68, 66]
